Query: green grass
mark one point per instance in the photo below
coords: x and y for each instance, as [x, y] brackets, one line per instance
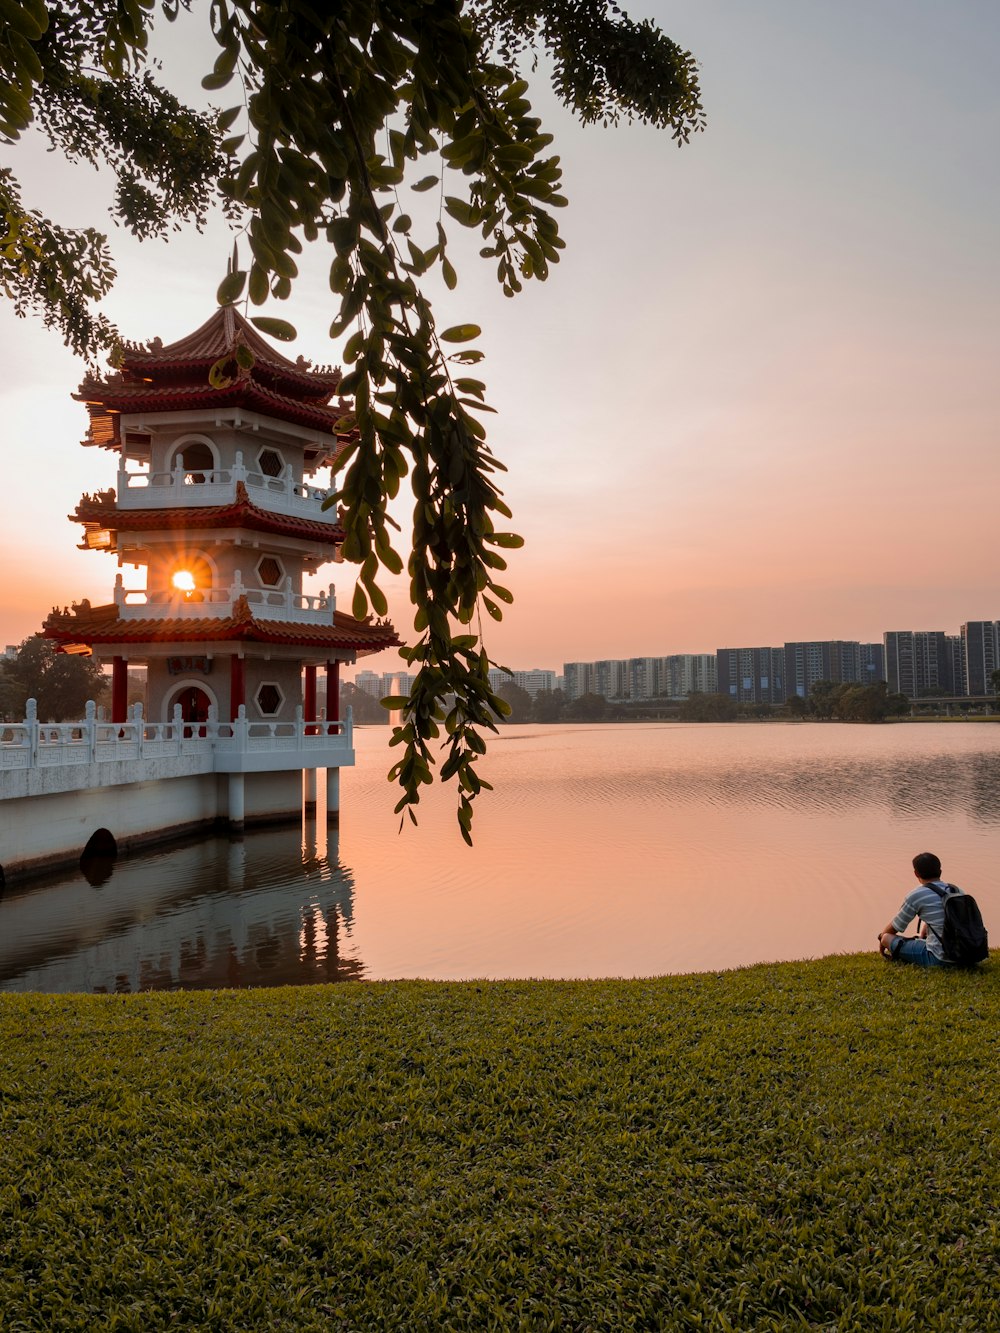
[804, 1145]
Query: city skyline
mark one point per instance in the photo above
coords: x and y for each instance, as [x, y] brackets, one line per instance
[757, 398]
[915, 663]
[780, 642]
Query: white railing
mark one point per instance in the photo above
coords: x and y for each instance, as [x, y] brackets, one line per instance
[32, 744]
[214, 603]
[187, 487]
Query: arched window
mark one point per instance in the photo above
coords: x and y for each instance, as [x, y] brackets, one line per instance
[197, 460]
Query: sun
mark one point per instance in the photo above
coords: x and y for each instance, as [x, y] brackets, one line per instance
[183, 580]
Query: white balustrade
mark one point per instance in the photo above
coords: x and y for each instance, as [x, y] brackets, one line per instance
[224, 746]
[283, 604]
[195, 487]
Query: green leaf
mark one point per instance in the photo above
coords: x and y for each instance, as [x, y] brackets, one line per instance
[461, 333]
[462, 211]
[211, 82]
[274, 328]
[231, 287]
[427, 183]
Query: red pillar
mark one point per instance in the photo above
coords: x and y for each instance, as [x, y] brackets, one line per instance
[119, 689]
[333, 691]
[237, 685]
[309, 698]
[309, 694]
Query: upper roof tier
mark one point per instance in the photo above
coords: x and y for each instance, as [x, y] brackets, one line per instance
[154, 378]
[222, 333]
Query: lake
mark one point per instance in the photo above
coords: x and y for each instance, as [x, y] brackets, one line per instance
[604, 851]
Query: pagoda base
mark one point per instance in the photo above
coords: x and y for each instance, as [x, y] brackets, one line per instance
[46, 833]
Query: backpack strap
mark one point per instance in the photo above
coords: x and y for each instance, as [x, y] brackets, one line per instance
[943, 891]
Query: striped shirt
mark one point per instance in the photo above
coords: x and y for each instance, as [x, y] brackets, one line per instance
[925, 903]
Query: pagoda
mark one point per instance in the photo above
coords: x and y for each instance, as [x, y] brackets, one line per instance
[216, 503]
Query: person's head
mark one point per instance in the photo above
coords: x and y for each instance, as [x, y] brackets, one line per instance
[926, 866]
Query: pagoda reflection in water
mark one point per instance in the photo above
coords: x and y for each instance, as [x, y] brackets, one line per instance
[273, 909]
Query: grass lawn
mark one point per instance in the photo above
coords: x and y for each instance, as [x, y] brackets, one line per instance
[805, 1145]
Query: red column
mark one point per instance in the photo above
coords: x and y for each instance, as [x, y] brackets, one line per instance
[119, 689]
[237, 685]
[309, 697]
[333, 691]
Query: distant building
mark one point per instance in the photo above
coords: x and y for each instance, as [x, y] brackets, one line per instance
[610, 678]
[980, 654]
[535, 681]
[642, 678]
[682, 674]
[871, 659]
[917, 661]
[371, 682]
[844, 661]
[499, 678]
[751, 675]
[956, 663]
[579, 679]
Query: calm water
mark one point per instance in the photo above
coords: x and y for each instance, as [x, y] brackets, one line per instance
[604, 851]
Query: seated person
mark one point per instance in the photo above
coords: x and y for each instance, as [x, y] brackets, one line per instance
[925, 949]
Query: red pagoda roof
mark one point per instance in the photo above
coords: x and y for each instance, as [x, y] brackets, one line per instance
[242, 513]
[219, 336]
[103, 624]
[175, 378]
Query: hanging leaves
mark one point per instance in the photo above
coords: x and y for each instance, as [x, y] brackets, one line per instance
[344, 105]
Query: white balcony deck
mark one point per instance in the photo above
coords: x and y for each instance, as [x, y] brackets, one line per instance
[44, 758]
[199, 489]
[282, 604]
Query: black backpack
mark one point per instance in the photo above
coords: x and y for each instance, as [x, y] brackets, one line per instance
[964, 936]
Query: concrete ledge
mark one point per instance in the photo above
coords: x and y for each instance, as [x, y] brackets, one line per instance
[55, 863]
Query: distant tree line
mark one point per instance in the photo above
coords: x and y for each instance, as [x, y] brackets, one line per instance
[849, 703]
[827, 701]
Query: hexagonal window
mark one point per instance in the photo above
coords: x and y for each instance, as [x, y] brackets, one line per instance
[269, 698]
[270, 463]
[269, 571]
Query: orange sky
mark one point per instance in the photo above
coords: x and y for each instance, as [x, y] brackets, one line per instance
[757, 401]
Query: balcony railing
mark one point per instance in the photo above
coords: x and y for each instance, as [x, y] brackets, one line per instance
[215, 603]
[236, 746]
[187, 487]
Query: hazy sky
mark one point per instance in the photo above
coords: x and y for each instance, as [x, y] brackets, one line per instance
[758, 400]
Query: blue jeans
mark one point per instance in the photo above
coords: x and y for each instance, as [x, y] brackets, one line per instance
[908, 950]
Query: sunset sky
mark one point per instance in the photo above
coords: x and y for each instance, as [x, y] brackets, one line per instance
[759, 399]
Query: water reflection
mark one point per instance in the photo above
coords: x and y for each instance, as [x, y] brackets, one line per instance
[269, 910]
[908, 786]
[603, 851]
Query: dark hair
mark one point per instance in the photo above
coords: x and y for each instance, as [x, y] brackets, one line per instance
[926, 865]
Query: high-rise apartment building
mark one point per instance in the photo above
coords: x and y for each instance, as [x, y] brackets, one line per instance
[955, 649]
[535, 681]
[642, 681]
[917, 661]
[372, 682]
[682, 674]
[579, 679]
[752, 675]
[844, 661]
[980, 654]
[611, 678]
[871, 663]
